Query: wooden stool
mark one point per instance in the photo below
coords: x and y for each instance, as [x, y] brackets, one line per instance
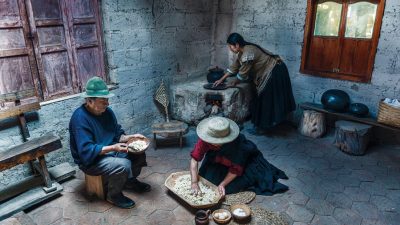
[170, 129]
[312, 124]
[351, 137]
[94, 186]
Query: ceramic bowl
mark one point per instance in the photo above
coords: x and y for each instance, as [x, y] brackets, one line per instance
[134, 151]
[244, 207]
[221, 221]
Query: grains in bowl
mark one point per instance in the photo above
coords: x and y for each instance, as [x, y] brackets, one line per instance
[183, 188]
[137, 145]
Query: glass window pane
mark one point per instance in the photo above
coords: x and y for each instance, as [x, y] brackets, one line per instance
[327, 20]
[360, 20]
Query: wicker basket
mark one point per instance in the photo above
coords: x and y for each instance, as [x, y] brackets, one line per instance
[388, 115]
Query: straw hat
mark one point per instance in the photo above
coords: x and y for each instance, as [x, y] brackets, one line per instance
[96, 87]
[217, 130]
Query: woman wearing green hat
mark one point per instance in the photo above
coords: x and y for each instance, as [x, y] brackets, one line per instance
[98, 145]
[230, 161]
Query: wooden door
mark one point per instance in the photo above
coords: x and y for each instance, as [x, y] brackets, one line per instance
[52, 47]
[85, 27]
[18, 71]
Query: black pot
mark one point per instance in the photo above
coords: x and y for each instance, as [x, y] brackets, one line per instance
[214, 74]
[336, 100]
[358, 109]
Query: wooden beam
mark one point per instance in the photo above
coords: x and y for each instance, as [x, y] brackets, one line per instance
[58, 173]
[17, 110]
[26, 200]
[348, 116]
[13, 96]
[30, 150]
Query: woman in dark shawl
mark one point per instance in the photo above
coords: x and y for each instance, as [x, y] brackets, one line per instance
[230, 161]
[273, 99]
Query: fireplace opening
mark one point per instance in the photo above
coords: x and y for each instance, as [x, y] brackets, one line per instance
[214, 105]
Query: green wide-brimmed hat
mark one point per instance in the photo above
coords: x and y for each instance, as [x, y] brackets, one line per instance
[217, 130]
[96, 88]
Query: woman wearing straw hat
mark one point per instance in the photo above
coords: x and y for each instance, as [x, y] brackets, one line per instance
[230, 161]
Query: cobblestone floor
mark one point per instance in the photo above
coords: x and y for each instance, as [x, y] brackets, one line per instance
[326, 186]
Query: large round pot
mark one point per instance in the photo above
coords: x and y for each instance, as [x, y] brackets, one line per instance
[214, 74]
[336, 100]
[358, 109]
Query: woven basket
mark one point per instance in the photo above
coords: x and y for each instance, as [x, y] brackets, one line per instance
[388, 115]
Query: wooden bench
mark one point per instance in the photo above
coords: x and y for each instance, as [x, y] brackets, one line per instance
[31, 151]
[366, 120]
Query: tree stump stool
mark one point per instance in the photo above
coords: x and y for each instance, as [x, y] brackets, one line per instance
[351, 137]
[94, 186]
[312, 124]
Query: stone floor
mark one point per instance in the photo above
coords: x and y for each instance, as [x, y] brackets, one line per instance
[326, 187]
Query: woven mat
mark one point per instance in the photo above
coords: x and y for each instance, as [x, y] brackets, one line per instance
[261, 216]
[244, 197]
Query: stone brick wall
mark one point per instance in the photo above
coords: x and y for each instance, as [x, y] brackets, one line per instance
[145, 41]
[279, 27]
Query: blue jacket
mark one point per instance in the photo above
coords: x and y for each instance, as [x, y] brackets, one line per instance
[89, 133]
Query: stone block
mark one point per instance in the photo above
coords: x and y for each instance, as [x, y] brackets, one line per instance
[189, 100]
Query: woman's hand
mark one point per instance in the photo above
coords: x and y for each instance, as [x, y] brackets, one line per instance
[196, 189]
[120, 147]
[221, 190]
[218, 82]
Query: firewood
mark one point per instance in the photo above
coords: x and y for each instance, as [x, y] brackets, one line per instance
[312, 124]
[351, 137]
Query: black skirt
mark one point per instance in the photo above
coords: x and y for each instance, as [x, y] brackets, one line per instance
[275, 101]
[258, 175]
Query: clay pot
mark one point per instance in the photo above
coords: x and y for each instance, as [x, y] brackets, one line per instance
[336, 100]
[202, 217]
[358, 109]
[214, 74]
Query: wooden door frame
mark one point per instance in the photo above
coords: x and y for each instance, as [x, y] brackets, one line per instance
[309, 27]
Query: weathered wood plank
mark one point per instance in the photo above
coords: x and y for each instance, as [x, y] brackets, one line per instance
[58, 173]
[19, 187]
[26, 200]
[13, 52]
[62, 172]
[17, 110]
[29, 151]
[366, 120]
[49, 22]
[84, 20]
[10, 24]
[12, 97]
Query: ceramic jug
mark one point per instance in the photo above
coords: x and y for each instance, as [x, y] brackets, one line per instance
[202, 217]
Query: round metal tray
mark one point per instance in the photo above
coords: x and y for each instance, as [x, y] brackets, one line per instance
[209, 86]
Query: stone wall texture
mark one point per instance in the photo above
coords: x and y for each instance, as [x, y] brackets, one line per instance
[150, 40]
[145, 42]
